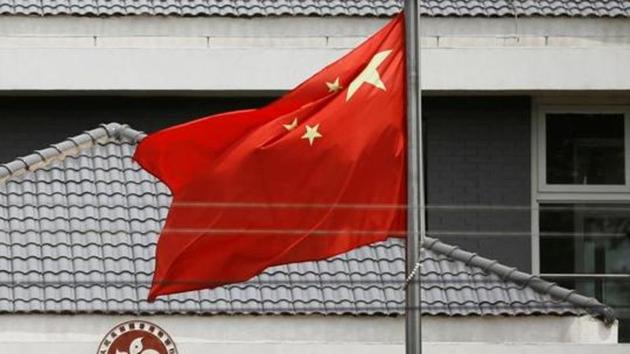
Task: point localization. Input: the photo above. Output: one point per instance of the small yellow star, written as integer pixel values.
(311, 134)
(291, 126)
(334, 86)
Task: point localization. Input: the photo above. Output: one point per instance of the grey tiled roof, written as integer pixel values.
(248, 8)
(78, 228)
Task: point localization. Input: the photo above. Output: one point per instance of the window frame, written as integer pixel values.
(556, 194)
(569, 190)
(551, 194)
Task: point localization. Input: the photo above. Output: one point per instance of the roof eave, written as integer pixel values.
(591, 305)
(71, 146)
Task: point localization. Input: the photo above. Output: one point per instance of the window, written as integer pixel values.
(583, 151)
(581, 215)
(591, 243)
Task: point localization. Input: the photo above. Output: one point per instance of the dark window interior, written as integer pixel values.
(579, 238)
(585, 149)
(31, 123)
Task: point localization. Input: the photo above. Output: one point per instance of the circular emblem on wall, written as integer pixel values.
(137, 337)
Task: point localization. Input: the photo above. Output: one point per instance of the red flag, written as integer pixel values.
(314, 174)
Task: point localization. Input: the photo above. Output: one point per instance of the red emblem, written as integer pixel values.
(137, 337)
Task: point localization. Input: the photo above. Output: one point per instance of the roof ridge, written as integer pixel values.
(590, 304)
(71, 146)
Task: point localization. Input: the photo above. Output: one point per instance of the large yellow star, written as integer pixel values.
(291, 125)
(311, 134)
(334, 86)
(369, 75)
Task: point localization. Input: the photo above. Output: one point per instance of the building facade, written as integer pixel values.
(525, 104)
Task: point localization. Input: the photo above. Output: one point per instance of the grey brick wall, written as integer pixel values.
(478, 153)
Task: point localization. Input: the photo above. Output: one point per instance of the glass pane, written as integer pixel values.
(585, 238)
(585, 149)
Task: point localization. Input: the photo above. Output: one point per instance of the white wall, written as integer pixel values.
(312, 334)
(270, 54)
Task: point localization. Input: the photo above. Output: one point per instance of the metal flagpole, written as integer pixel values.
(415, 179)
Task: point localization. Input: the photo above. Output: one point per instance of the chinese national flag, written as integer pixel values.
(314, 174)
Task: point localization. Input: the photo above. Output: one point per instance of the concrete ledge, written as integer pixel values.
(344, 42)
(159, 69)
(46, 42)
(315, 41)
(265, 69)
(588, 41)
(267, 42)
(526, 69)
(151, 42)
(490, 42)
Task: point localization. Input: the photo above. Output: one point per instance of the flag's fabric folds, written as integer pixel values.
(314, 174)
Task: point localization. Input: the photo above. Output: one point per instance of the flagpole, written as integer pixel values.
(415, 179)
